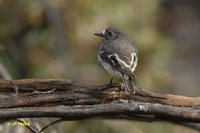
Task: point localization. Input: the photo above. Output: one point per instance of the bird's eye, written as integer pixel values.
(110, 34)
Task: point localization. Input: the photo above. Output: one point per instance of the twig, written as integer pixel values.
(52, 123)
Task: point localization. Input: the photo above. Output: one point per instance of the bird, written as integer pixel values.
(118, 56)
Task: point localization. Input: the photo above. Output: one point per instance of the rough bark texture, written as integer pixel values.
(132, 110)
(42, 97)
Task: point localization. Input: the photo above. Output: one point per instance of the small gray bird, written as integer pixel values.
(118, 56)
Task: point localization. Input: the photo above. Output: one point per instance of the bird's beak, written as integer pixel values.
(99, 34)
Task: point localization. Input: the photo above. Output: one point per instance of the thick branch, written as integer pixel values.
(40, 98)
(131, 110)
(69, 92)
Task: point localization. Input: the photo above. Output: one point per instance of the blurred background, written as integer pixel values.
(54, 39)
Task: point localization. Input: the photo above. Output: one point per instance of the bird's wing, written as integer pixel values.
(124, 63)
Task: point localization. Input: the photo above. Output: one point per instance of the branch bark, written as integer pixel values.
(41, 97)
(132, 110)
(60, 91)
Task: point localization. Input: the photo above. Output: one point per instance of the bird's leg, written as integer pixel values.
(110, 82)
(110, 85)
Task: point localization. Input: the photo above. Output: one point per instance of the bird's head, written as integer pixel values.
(110, 34)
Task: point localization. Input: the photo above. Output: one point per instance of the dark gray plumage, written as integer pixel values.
(118, 56)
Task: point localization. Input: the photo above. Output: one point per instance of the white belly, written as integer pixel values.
(109, 68)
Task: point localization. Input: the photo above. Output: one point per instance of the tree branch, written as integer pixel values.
(41, 97)
(130, 111)
(62, 91)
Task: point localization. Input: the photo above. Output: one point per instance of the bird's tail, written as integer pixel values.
(128, 82)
